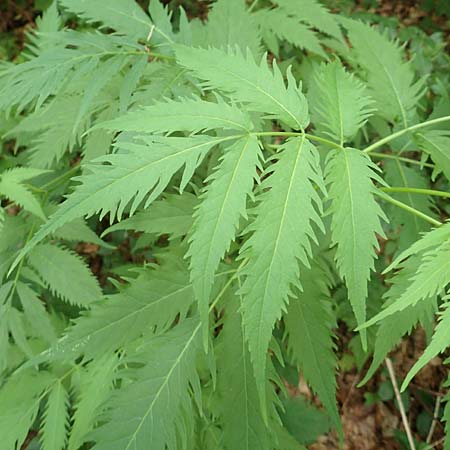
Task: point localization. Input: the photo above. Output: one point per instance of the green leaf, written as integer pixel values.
(285, 440)
(391, 80)
(261, 87)
(19, 404)
(131, 81)
(48, 22)
(281, 235)
(439, 342)
(153, 300)
(355, 222)
(99, 77)
(313, 13)
(161, 16)
(429, 241)
(339, 104)
(35, 313)
(428, 281)
(156, 403)
(437, 144)
(65, 274)
(124, 16)
(78, 231)
(162, 81)
(180, 126)
(216, 219)
(5, 290)
(276, 22)
(72, 60)
(190, 115)
(55, 419)
(394, 327)
(172, 215)
(304, 421)
(13, 234)
(408, 227)
(51, 128)
(238, 402)
(229, 25)
(16, 325)
(140, 171)
(309, 322)
(99, 142)
(12, 186)
(95, 384)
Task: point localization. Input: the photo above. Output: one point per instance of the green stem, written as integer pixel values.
(218, 297)
(252, 6)
(397, 134)
(161, 56)
(296, 133)
(32, 188)
(408, 208)
(227, 284)
(19, 267)
(277, 133)
(417, 191)
(400, 158)
(323, 141)
(56, 181)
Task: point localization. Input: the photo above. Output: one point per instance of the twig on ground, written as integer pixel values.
(409, 435)
(350, 391)
(435, 419)
(435, 444)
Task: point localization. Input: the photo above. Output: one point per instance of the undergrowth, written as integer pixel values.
(255, 168)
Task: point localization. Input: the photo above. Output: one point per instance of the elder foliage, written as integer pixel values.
(276, 182)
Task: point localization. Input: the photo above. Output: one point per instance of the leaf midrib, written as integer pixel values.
(140, 310)
(225, 199)
(277, 240)
(163, 385)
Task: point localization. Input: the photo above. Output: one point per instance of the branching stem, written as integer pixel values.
(297, 133)
(408, 208)
(227, 284)
(397, 134)
(417, 191)
(19, 267)
(400, 158)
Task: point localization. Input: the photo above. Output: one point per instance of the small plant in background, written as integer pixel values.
(235, 203)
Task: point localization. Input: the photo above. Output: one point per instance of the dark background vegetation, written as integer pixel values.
(429, 15)
(370, 415)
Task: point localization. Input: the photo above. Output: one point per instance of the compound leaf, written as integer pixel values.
(55, 418)
(281, 235)
(309, 322)
(217, 217)
(261, 87)
(339, 102)
(355, 222)
(156, 403)
(65, 274)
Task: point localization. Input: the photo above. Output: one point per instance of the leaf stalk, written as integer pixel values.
(408, 208)
(397, 134)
